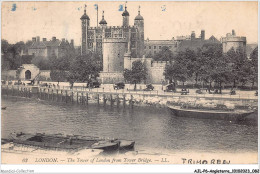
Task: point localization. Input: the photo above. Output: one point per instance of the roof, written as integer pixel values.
(139, 17)
(125, 13)
(196, 43)
(51, 43)
(45, 44)
(38, 45)
(103, 21)
(85, 16)
(154, 42)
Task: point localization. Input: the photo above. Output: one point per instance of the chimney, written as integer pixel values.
(202, 35)
(34, 39)
(38, 38)
(192, 35)
(63, 39)
(72, 43)
(53, 38)
(233, 33)
(44, 39)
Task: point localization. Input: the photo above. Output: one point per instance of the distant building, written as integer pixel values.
(47, 49)
(193, 43)
(152, 47)
(233, 41)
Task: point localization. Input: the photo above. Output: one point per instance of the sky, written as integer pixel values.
(163, 20)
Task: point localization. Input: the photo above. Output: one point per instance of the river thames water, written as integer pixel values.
(153, 129)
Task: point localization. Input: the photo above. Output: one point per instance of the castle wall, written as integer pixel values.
(155, 70)
(10, 74)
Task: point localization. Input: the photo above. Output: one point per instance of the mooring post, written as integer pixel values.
(61, 94)
(12, 90)
(48, 94)
(111, 99)
(117, 100)
(131, 101)
(77, 97)
(57, 95)
(7, 91)
(66, 96)
(82, 101)
(72, 95)
(52, 95)
(87, 98)
(124, 100)
(98, 98)
(40, 94)
(104, 99)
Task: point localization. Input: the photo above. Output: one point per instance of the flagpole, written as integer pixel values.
(97, 15)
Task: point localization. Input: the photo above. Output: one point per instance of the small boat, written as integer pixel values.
(125, 145)
(57, 141)
(210, 113)
(3, 107)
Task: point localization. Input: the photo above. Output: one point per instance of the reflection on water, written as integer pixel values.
(154, 130)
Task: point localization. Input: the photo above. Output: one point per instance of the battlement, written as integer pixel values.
(115, 40)
(114, 27)
(233, 39)
(158, 64)
(94, 28)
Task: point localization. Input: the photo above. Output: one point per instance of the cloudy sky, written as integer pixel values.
(163, 20)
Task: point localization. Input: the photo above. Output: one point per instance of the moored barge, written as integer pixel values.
(210, 113)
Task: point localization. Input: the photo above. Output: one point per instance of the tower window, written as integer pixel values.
(150, 47)
(160, 47)
(154, 47)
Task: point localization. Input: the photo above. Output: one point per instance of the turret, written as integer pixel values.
(84, 24)
(139, 22)
(202, 35)
(103, 22)
(125, 15)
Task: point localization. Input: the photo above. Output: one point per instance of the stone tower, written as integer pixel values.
(113, 54)
(125, 15)
(84, 25)
(233, 41)
(139, 22)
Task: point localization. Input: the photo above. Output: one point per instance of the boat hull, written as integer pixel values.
(210, 114)
(60, 142)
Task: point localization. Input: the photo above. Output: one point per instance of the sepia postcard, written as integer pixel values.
(150, 84)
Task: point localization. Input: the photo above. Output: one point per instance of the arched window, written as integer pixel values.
(27, 75)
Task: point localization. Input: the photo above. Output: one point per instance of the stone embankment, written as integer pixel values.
(125, 98)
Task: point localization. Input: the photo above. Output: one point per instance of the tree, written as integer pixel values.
(181, 67)
(41, 62)
(208, 57)
(253, 62)
(83, 69)
(137, 74)
(164, 55)
(220, 72)
(239, 65)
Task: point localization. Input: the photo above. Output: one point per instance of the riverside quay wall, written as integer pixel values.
(125, 98)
